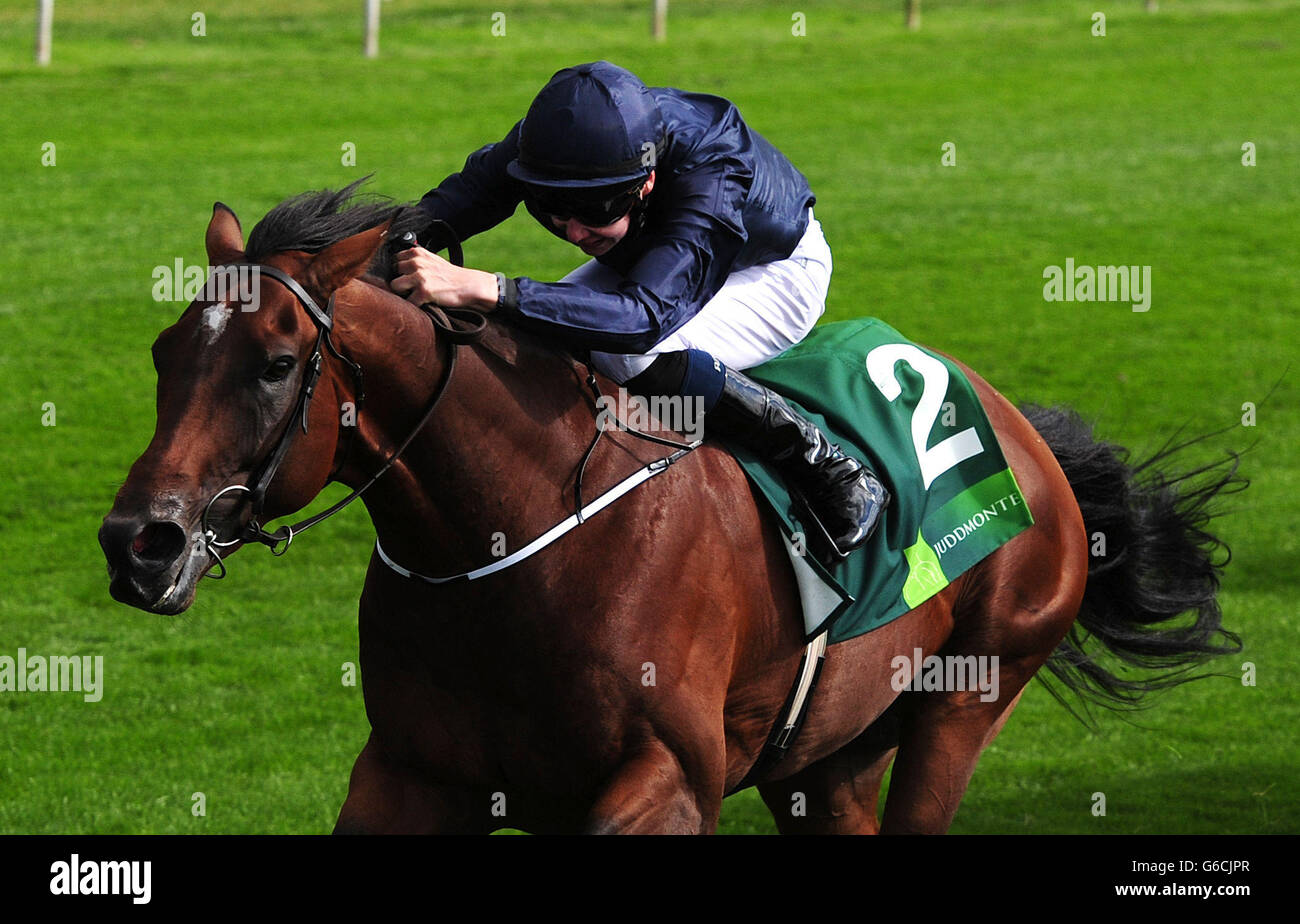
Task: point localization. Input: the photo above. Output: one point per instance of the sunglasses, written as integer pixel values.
(594, 208)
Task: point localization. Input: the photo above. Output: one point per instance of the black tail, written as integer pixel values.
(1160, 562)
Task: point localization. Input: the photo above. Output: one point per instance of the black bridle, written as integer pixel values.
(472, 325)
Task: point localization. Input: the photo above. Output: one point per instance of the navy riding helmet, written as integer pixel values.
(592, 126)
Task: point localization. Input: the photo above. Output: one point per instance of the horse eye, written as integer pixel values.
(279, 369)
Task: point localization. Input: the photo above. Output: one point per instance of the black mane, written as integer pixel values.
(314, 220)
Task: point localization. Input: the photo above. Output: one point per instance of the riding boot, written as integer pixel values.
(844, 496)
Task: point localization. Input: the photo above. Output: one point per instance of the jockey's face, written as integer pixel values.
(595, 240)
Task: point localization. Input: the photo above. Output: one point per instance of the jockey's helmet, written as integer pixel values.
(593, 125)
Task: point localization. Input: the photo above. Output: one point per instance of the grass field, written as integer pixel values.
(1122, 149)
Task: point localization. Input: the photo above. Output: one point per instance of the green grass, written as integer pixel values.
(1123, 149)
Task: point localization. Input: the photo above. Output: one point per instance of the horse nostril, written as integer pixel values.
(158, 543)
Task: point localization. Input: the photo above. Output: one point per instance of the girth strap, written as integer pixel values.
(791, 719)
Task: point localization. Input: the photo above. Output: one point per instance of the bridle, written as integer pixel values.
(457, 325)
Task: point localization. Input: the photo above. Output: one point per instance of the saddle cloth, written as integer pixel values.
(914, 417)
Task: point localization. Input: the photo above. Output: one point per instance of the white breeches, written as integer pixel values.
(759, 313)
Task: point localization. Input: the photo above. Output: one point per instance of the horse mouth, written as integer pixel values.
(175, 598)
(171, 601)
(166, 590)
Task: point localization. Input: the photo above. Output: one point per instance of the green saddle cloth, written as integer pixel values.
(914, 417)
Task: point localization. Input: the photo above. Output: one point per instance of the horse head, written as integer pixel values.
(231, 378)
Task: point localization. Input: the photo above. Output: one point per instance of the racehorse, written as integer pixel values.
(521, 699)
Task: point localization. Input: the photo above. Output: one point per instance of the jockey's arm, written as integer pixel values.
(683, 262)
(479, 197)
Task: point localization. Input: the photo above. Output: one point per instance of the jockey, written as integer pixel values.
(706, 260)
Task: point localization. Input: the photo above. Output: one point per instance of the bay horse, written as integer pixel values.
(521, 699)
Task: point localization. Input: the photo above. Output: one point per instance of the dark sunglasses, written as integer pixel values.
(594, 208)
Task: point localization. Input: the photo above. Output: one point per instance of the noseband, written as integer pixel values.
(457, 326)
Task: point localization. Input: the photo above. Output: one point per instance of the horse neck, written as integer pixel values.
(491, 461)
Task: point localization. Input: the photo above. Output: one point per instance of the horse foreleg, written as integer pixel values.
(651, 794)
(384, 799)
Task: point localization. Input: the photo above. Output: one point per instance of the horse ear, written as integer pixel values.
(225, 239)
(345, 260)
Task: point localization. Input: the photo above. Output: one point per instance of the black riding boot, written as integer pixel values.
(843, 494)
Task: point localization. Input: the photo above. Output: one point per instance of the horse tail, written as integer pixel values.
(1153, 559)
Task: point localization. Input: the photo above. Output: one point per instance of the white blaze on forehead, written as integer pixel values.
(214, 321)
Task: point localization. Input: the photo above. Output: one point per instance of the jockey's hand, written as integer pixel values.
(427, 277)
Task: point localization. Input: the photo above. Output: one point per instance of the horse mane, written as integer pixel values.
(313, 220)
